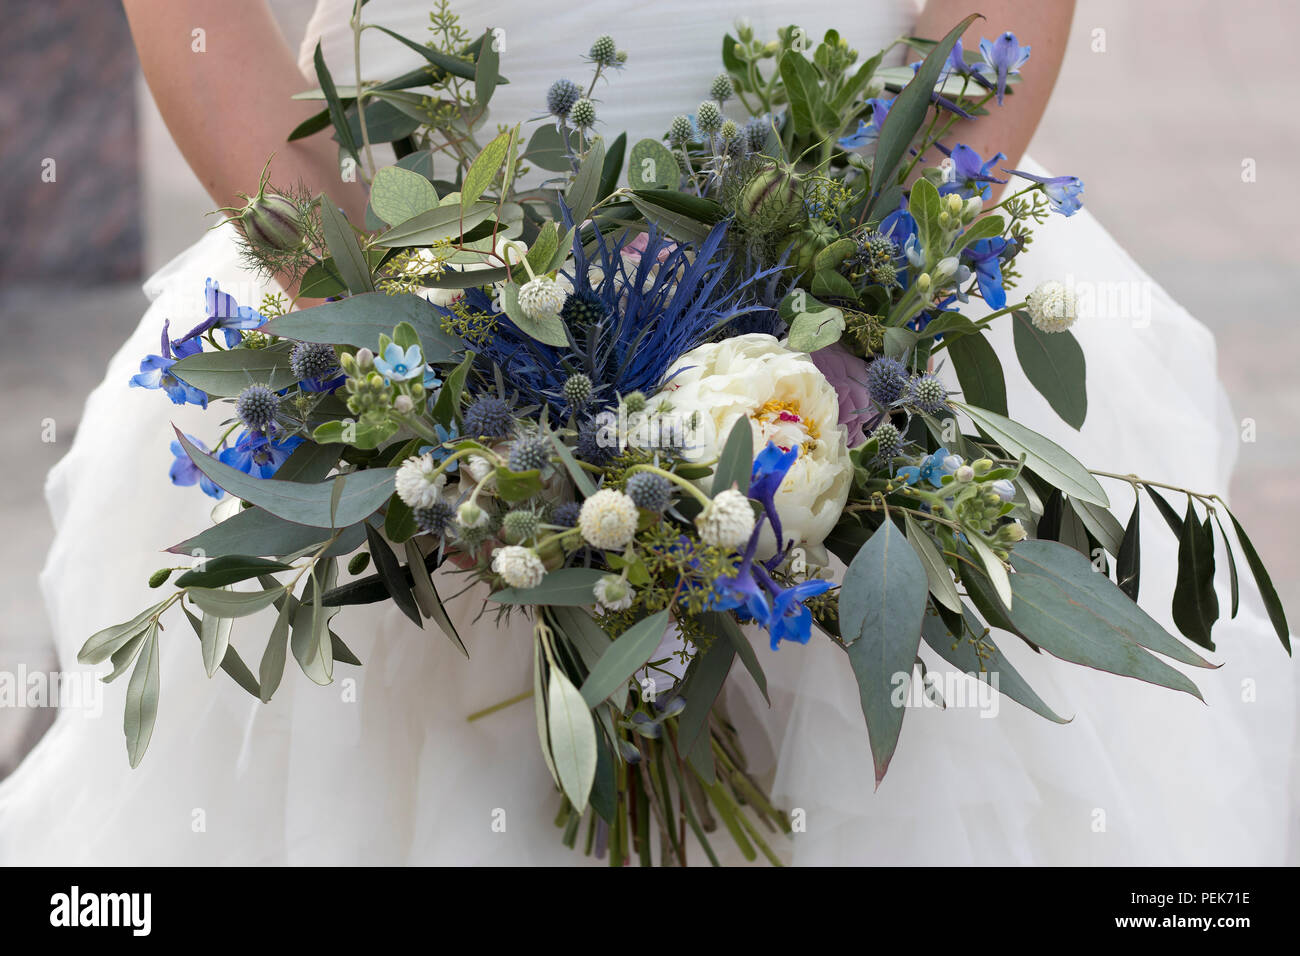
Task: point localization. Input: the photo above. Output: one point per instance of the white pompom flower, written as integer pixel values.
(418, 482)
(613, 593)
(518, 566)
(608, 519)
(1051, 306)
(541, 298)
(727, 521)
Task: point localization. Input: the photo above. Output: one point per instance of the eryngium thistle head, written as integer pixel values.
(755, 134)
(530, 453)
(593, 446)
(577, 390)
(519, 526)
(582, 309)
(928, 395)
(730, 132)
(583, 114)
(877, 248)
(604, 51)
(566, 515)
(886, 380)
(649, 491)
(722, 88)
(561, 97)
(889, 440)
(708, 116)
(256, 407)
(435, 519)
(680, 132)
(488, 418)
(313, 360)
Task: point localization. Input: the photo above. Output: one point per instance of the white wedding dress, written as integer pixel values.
(382, 767)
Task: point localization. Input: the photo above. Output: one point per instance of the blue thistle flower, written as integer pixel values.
(566, 515)
(887, 380)
(488, 418)
(561, 97)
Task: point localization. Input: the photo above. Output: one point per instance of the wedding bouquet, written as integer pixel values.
(647, 396)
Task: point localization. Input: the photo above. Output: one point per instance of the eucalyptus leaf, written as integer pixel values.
(398, 194)
(623, 658)
(226, 373)
(572, 737)
(142, 699)
(1054, 364)
(651, 165)
(570, 587)
(937, 573)
(359, 320)
(220, 602)
(979, 372)
(736, 463)
(343, 247)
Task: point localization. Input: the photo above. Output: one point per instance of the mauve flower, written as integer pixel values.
(848, 376)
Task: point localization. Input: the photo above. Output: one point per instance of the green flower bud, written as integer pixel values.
(359, 562)
(272, 222)
(159, 577)
(771, 200)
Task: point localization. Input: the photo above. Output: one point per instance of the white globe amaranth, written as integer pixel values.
(727, 521)
(1051, 306)
(518, 566)
(608, 519)
(541, 298)
(787, 400)
(613, 593)
(417, 483)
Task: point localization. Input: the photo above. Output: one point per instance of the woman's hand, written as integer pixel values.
(228, 103)
(1045, 26)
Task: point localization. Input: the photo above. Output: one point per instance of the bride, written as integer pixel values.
(383, 767)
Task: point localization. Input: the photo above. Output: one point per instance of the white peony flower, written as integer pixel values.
(608, 519)
(727, 521)
(519, 567)
(417, 485)
(1051, 306)
(613, 593)
(787, 400)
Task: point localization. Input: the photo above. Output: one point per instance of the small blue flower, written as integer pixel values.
(933, 468)
(790, 620)
(1003, 57)
(155, 372)
(224, 313)
(257, 455)
(868, 133)
(185, 473)
(985, 256)
(971, 175)
(1063, 192)
(398, 365)
(431, 379)
(440, 451)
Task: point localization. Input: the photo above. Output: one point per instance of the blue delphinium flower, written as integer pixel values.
(224, 313)
(400, 365)
(933, 468)
(184, 472)
(1063, 192)
(1003, 57)
(868, 133)
(790, 620)
(971, 174)
(985, 257)
(155, 372)
(257, 455)
(626, 330)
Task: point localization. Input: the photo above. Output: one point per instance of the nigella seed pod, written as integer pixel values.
(770, 200)
(273, 222)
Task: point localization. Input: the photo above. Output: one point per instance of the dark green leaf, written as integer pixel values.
(724, 625)
(390, 572)
(1272, 603)
(1196, 605)
(485, 71)
(227, 569)
(979, 372)
(736, 463)
(704, 680)
(343, 247)
(581, 195)
(571, 587)
(1128, 563)
(227, 373)
(1167, 512)
(1054, 364)
(257, 531)
(359, 320)
(335, 106)
(623, 658)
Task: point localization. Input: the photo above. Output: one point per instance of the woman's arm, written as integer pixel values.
(229, 108)
(1045, 26)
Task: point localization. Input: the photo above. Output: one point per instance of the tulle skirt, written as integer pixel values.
(382, 766)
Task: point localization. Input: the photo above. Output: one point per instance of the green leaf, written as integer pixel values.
(623, 658)
(1196, 605)
(364, 492)
(222, 603)
(937, 573)
(830, 284)
(1101, 524)
(309, 462)
(1265, 584)
(725, 625)
(334, 107)
(704, 680)
(445, 408)
(103, 644)
(257, 531)
(573, 739)
(227, 373)
(736, 463)
(923, 205)
(228, 569)
(546, 149)
(811, 331)
(1167, 512)
(310, 637)
(1043, 456)
(214, 636)
(908, 113)
(544, 247)
(581, 195)
(613, 167)
(271, 669)
(444, 62)
(1054, 364)
(808, 106)
(485, 70)
(483, 171)
(142, 700)
(398, 195)
(399, 521)
(882, 605)
(1128, 562)
(1234, 583)
(450, 220)
(681, 227)
(427, 595)
(513, 486)
(979, 372)
(651, 165)
(985, 662)
(1068, 609)
(693, 207)
(390, 573)
(986, 227)
(548, 330)
(342, 242)
(570, 587)
(580, 478)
